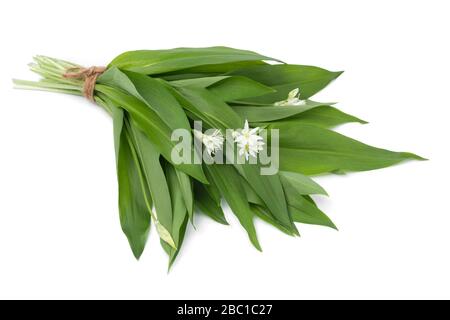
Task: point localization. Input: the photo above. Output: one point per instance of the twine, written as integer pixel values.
(88, 75)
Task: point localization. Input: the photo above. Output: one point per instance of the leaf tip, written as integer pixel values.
(137, 253)
(169, 266)
(413, 156)
(333, 226)
(338, 73)
(256, 244)
(324, 193)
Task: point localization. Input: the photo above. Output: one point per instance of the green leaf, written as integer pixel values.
(252, 196)
(270, 190)
(209, 70)
(312, 150)
(212, 189)
(323, 116)
(149, 122)
(152, 93)
(186, 191)
(228, 181)
(210, 108)
(303, 185)
(285, 77)
(203, 82)
(272, 113)
(228, 88)
(156, 181)
(134, 203)
(310, 199)
(165, 235)
(236, 88)
(310, 214)
(207, 205)
(180, 215)
(264, 215)
(303, 209)
(163, 61)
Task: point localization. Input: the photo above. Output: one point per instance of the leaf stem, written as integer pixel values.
(42, 86)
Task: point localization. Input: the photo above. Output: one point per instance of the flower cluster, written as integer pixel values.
(293, 99)
(247, 140)
(213, 142)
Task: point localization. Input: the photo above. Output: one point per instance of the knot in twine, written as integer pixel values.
(88, 75)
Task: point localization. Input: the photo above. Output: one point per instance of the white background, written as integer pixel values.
(59, 228)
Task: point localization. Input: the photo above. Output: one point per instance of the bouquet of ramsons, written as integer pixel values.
(195, 128)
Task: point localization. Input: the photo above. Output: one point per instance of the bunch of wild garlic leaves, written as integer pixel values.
(152, 93)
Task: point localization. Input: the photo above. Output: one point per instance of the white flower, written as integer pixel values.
(248, 141)
(293, 99)
(213, 142)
